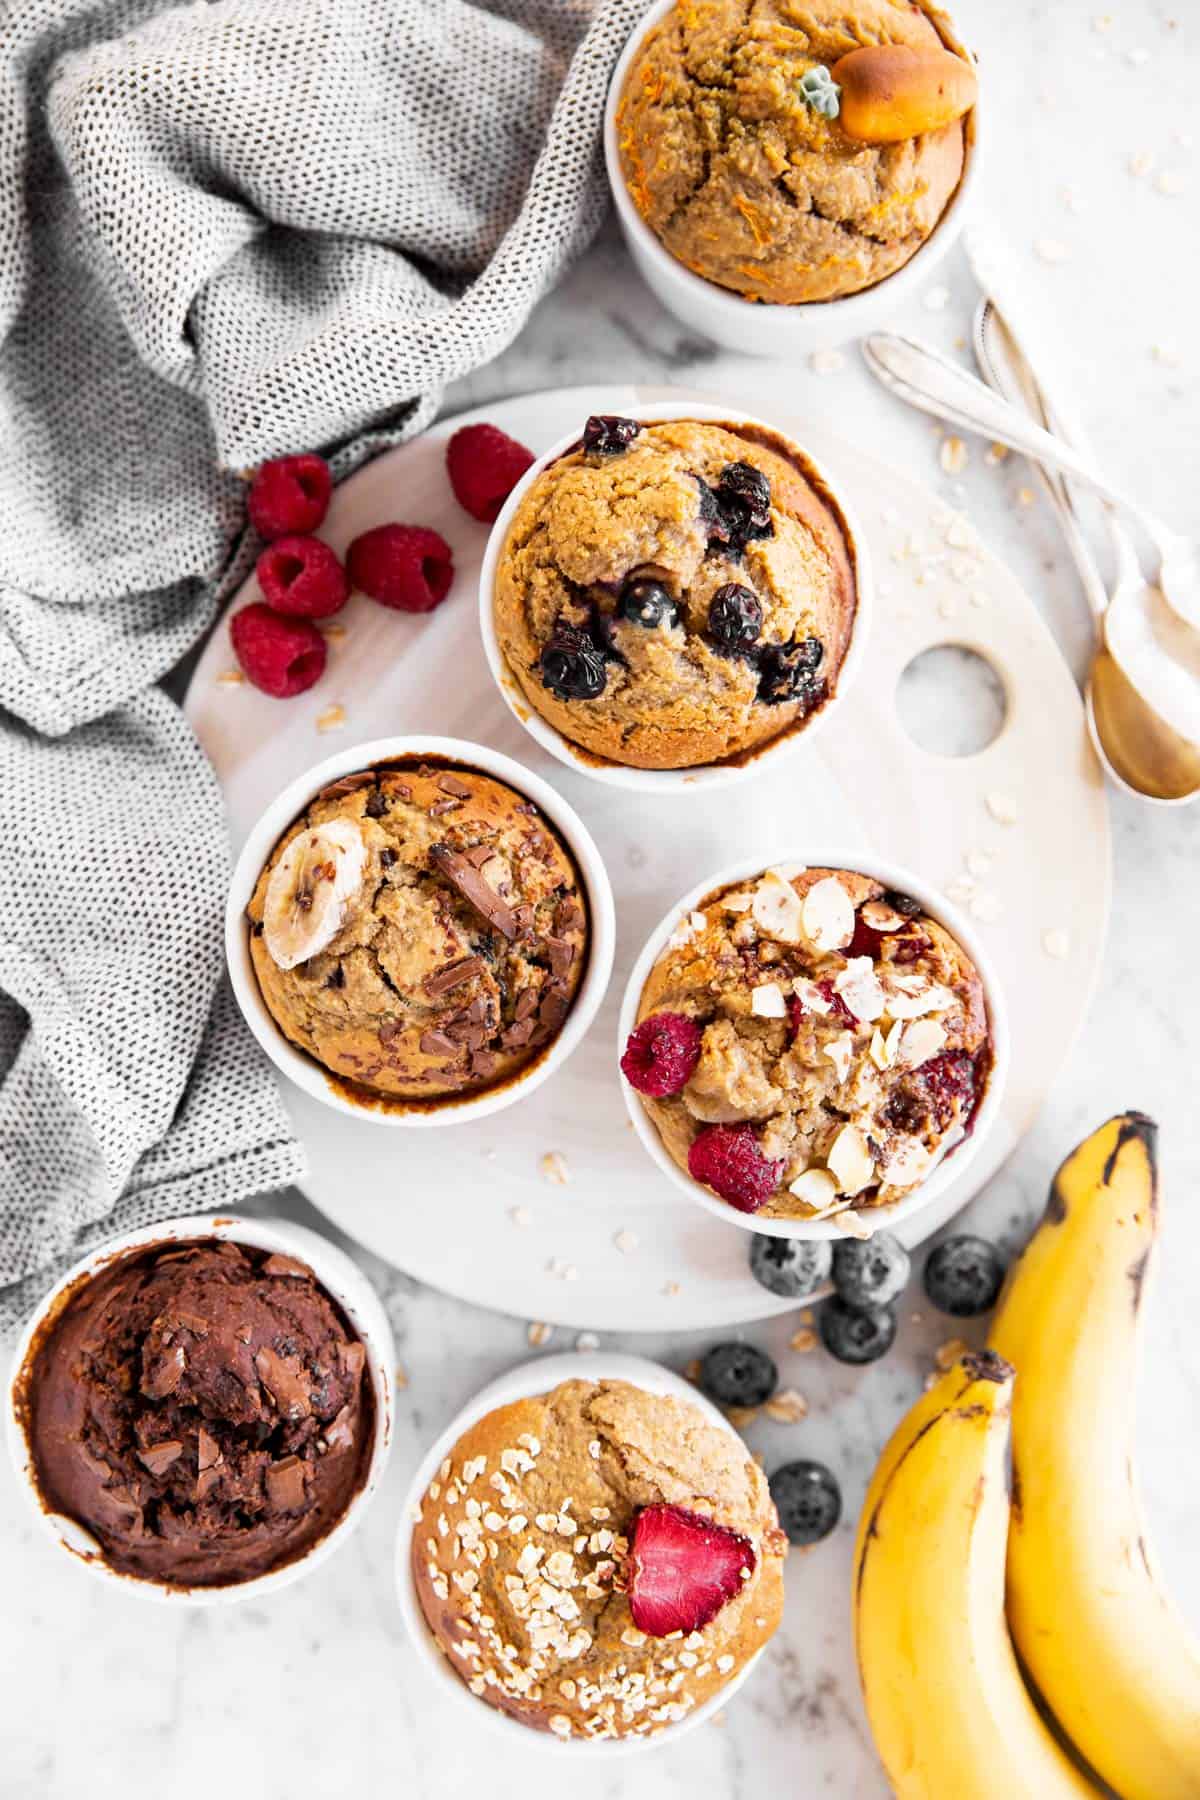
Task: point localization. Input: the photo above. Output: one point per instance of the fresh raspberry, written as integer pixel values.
(866, 940)
(661, 1053)
(485, 465)
(403, 566)
(727, 1159)
(281, 656)
(290, 494)
(302, 577)
(683, 1569)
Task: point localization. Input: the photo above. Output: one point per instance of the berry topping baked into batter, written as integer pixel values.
(421, 931)
(810, 1043)
(676, 594)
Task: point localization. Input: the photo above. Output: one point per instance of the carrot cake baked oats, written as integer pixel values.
(794, 152)
(598, 1561)
(809, 1042)
(420, 931)
(677, 593)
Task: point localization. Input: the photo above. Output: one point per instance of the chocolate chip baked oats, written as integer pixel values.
(795, 152)
(598, 1561)
(677, 593)
(421, 931)
(809, 1042)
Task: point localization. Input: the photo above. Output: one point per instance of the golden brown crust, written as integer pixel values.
(373, 1006)
(672, 699)
(801, 1075)
(519, 1548)
(746, 184)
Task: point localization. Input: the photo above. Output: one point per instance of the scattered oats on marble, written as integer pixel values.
(625, 1241)
(332, 719)
(333, 633)
(1056, 943)
(803, 1340)
(994, 454)
(1002, 807)
(976, 598)
(671, 1288)
(539, 1334)
(947, 606)
(960, 889)
(692, 1370)
(1170, 182)
(826, 362)
(1141, 163)
(718, 1718)
(947, 1354)
(787, 1407)
(741, 1416)
(987, 908)
(978, 862)
(230, 678)
(959, 535)
(587, 1341)
(520, 1216)
(953, 455)
(400, 1378)
(937, 299)
(1025, 496)
(553, 1168)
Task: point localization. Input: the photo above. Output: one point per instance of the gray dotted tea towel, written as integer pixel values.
(227, 231)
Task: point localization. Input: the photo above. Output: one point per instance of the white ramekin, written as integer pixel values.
(707, 776)
(287, 806)
(340, 1277)
(892, 875)
(756, 327)
(528, 1379)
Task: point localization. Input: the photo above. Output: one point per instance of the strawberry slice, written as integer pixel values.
(683, 1569)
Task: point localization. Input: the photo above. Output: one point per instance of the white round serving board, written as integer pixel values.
(616, 1246)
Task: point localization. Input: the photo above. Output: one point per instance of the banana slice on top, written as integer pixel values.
(311, 890)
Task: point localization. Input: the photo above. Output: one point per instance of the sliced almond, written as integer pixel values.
(907, 1162)
(880, 917)
(850, 1161)
(777, 910)
(767, 1001)
(840, 1051)
(921, 1040)
(811, 998)
(828, 915)
(816, 1188)
(740, 902)
(859, 987)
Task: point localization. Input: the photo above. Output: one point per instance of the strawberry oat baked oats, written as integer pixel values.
(809, 1042)
(678, 593)
(421, 931)
(598, 1561)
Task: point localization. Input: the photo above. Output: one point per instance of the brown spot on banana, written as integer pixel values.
(1137, 1277)
(1139, 1126)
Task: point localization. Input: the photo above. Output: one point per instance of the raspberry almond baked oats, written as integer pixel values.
(598, 1561)
(794, 152)
(421, 931)
(810, 1043)
(677, 593)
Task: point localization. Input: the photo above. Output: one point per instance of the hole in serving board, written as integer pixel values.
(951, 701)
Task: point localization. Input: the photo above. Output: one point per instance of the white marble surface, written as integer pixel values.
(314, 1693)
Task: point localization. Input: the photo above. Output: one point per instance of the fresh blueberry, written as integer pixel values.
(788, 672)
(738, 1375)
(856, 1334)
(871, 1272)
(745, 495)
(734, 617)
(605, 434)
(647, 603)
(807, 1499)
(903, 903)
(963, 1276)
(789, 1267)
(572, 665)
(712, 514)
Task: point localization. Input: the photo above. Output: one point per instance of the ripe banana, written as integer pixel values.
(310, 890)
(1112, 1659)
(951, 1715)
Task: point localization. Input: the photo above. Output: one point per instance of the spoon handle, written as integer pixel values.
(936, 385)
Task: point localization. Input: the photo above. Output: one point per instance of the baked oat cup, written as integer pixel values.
(755, 182)
(307, 1501)
(606, 1439)
(831, 1047)
(419, 931)
(671, 601)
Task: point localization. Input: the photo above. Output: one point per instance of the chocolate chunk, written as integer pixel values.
(206, 1480)
(483, 1063)
(162, 1374)
(444, 806)
(353, 1357)
(567, 913)
(389, 1031)
(478, 1009)
(208, 1451)
(562, 954)
(285, 1382)
(518, 1034)
(278, 1264)
(349, 784)
(285, 1485)
(527, 1001)
(159, 1457)
(472, 1036)
(339, 1435)
(376, 805)
(387, 856)
(478, 854)
(437, 1043)
(552, 1011)
(337, 977)
(453, 975)
(450, 784)
(474, 889)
